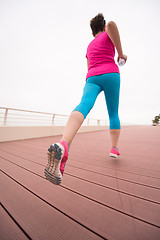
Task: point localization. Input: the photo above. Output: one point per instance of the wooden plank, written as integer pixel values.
(98, 178)
(95, 216)
(39, 219)
(110, 165)
(114, 199)
(128, 140)
(114, 183)
(100, 175)
(144, 151)
(9, 229)
(138, 165)
(108, 168)
(133, 178)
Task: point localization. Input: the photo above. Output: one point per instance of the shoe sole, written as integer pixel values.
(56, 158)
(52, 178)
(114, 155)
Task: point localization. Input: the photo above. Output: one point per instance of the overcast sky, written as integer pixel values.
(42, 55)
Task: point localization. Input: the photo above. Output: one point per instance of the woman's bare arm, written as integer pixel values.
(87, 64)
(113, 33)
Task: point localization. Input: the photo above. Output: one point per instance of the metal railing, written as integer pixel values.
(19, 117)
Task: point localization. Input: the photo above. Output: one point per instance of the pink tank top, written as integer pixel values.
(100, 55)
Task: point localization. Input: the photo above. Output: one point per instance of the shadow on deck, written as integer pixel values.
(99, 198)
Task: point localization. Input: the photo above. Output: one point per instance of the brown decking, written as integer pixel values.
(99, 198)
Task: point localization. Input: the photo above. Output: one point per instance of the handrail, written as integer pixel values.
(22, 110)
(51, 116)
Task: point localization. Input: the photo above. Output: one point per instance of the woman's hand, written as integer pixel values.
(123, 56)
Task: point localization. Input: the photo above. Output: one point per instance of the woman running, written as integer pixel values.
(103, 75)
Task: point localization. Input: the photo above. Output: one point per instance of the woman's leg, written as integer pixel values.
(111, 90)
(114, 137)
(74, 122)
(90, 93)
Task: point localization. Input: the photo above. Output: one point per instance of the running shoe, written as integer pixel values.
(57, 157)
(114, 153)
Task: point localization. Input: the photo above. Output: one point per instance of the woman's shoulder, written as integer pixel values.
(110, 26)
(111, 23)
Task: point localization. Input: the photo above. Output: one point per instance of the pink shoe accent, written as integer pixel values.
(65, 156)
(114, 153)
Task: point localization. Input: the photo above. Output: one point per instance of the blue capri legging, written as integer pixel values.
(110, 84)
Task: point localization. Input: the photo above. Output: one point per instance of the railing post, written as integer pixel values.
(5, 116)
(53, 119)
(98, 122)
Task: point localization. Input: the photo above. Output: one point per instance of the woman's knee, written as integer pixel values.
(114, 122)
(84, 107)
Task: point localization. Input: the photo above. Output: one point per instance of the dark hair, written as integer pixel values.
(97, 24)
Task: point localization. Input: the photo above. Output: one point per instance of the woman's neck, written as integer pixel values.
(98, 33)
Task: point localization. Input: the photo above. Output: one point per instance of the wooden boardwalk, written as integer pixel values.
(99, 198)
